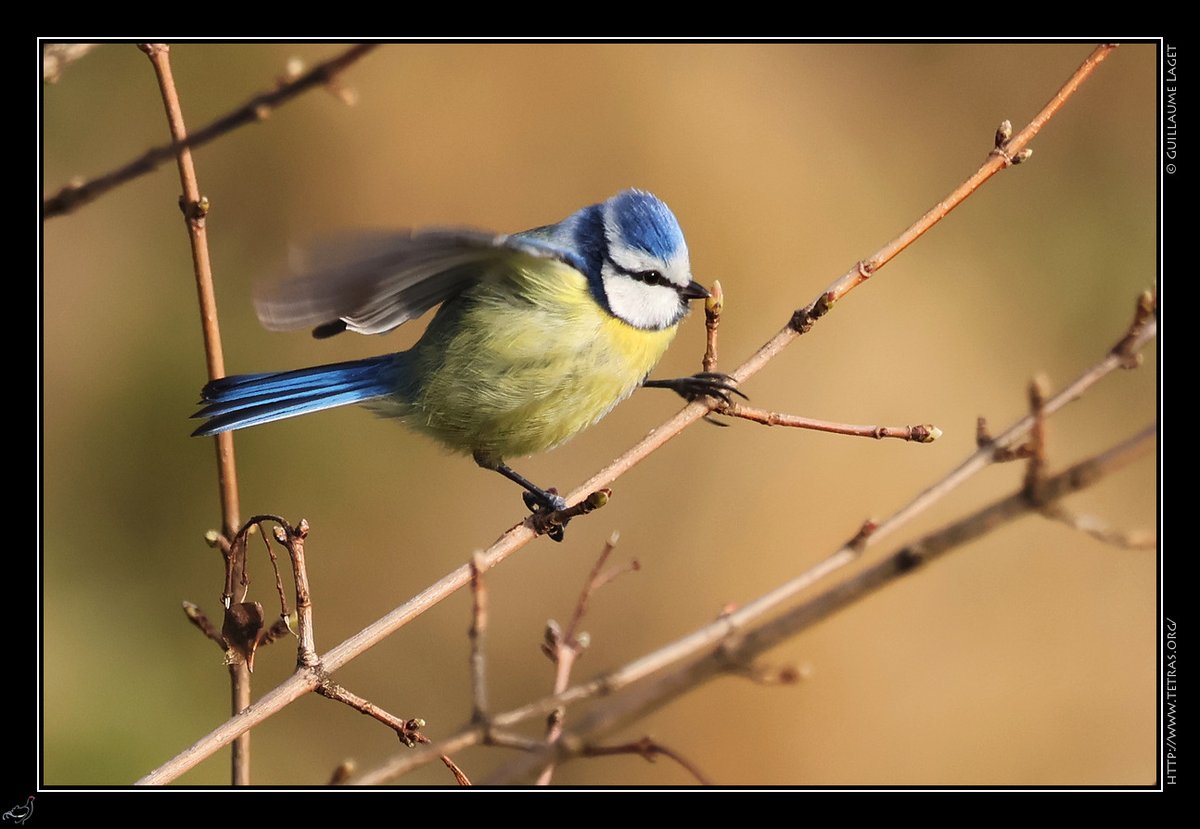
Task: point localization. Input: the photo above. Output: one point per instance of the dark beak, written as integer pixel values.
(695, 290)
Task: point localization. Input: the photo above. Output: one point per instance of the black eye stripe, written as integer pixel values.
(650, 277)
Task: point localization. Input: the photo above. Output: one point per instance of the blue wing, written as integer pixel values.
(372, 282)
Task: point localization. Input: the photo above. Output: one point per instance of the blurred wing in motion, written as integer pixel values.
(371, 282)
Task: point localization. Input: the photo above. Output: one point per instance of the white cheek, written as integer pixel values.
(643, 306)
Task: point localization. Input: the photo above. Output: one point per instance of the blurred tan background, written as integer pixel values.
(1026, 659)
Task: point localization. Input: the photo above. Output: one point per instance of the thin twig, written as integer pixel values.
(700, 641)
(477, 636)
(1097, 529)
(200, 619)
(299, 684)
(408, 730)
(1035, 470)
(925, 433)
(740, 649)
(257, 108)
(292, 538)
(194, 208)
(648, 750)
(458, 773)
(564, 647)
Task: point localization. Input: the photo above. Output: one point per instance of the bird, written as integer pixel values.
(539, 334)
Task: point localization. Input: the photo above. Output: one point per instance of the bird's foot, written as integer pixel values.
(705, 384)
(547, 507)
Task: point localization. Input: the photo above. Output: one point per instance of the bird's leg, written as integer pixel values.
(705, 384)
(538, 500)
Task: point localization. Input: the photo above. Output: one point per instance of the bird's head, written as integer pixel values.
(637, 259)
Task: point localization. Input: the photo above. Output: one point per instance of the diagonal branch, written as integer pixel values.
(701, 641)
(739, 648)
(802, 320)
(257, 108)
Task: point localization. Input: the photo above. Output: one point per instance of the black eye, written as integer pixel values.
(651, 278)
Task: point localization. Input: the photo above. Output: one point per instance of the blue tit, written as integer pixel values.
(539, 334)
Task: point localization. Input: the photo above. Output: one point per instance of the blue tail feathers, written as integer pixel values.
(250, 399)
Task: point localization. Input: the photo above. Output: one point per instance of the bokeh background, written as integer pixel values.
(1027, 658)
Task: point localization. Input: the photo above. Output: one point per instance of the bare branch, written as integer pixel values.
(257, 108)
(300, 684)
(1099, 530)
(194, 208)
(564, 647)
(740, 648)
(648, 750)
(925, 433)
(478, 636)
(729, 624)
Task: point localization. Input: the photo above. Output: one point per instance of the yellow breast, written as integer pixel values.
(521, 362)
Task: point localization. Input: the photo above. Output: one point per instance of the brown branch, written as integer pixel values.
(1097, 529)
(740, 648)
(257, 108)
(194, 208)
(299, 684)
(564, 647)
(198, 618)
(700, 641)
(292, 538)
(1035, 470)
(648, 750)
(925, 433)
(478, 636)
(407, 730)
(804, 318)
